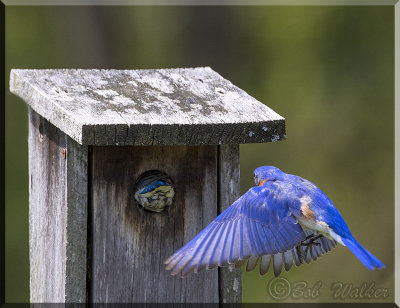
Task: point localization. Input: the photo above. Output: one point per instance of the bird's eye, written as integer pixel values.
(254, 174)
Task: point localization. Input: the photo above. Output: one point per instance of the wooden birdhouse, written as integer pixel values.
(92, 135)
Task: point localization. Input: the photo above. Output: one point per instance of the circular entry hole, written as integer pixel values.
(154, 191)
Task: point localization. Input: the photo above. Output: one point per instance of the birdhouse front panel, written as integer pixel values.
(130, 244)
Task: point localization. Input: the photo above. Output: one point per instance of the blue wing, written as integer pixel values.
(256, 224)
(297, 255)
(153, 186)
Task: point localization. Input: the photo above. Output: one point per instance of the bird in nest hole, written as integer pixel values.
(154, 191)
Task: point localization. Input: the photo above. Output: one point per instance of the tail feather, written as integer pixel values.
(369, 260)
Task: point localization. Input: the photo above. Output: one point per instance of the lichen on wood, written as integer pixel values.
(147, 107)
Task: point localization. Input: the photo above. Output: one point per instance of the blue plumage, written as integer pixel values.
(284, 220)
(154, 191)
(153, 186)
(370, 261)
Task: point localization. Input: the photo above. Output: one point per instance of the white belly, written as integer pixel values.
(320, 227)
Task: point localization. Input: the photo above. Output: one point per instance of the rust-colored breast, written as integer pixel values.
(307, 212)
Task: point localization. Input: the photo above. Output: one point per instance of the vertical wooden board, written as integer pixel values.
(129, 245)
(57, 214)
(76, 228)
(47, 211)
(230, 279)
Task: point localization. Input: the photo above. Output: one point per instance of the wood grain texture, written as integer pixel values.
(230, 279)
(129, 245)
(57, 219)
(77, 217)
(47, 211)
(147, 107)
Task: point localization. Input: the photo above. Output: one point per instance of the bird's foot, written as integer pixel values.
(308, 242)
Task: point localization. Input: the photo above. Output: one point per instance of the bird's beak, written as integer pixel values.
(262, 182)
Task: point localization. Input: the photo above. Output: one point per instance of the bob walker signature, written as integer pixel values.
(367, 290)
(281, 289)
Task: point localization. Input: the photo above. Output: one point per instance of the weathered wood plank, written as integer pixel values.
(129, 246)
(77, 217)
(147, 107)
(230, 281)
(47, 213)
(57, 214)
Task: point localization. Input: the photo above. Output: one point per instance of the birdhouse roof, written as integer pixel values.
(147, 107)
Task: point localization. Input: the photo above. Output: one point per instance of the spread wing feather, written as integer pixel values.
(259, 225)
(256, 224)
(288, 258)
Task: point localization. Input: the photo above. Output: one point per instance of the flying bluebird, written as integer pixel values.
(285, 219)
(154, 191)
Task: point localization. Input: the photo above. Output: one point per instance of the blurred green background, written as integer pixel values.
(327, 70)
